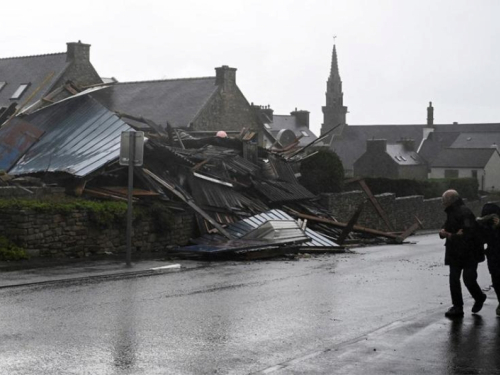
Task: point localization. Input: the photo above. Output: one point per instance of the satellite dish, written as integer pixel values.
(286, 137)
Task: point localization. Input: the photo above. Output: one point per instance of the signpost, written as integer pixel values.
(131, 154)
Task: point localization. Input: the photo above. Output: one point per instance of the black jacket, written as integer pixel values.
(466, 249)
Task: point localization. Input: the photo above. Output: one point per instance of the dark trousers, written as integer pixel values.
(494, 268)
(470, 281)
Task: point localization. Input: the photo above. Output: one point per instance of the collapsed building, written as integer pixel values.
(245, 198)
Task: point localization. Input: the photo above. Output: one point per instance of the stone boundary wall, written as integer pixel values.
(75, 235)
(400, 211)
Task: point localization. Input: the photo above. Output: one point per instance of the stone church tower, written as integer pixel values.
(334, 112)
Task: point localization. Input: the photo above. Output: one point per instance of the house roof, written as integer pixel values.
(435, 143)
(477, 140)
(352, 144)
(177, 101)
(463, 158)
(290, 122)
(79, 137)
(41, 72)
(402, 156)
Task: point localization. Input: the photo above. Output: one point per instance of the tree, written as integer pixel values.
(322, 172)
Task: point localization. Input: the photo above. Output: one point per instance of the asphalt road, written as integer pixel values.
(376, 311)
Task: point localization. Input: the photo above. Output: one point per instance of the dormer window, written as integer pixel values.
(2, 85)
(20, 91)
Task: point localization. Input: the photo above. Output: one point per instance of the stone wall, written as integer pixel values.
(401, 212)
(75, 234)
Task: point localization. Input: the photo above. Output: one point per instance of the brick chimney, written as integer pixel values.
(225, 77)
(264, 112)
(302, 117)
(376, 145)
(78, 51)
(430, 115)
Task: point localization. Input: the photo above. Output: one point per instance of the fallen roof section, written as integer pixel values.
(80, 136)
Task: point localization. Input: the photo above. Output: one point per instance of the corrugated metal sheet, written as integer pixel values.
(281, 191)
(206, 193)
(80, 137)
(15, 138)
(278, 231)
(244, 226)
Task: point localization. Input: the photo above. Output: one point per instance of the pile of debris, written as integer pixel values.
(247, 199)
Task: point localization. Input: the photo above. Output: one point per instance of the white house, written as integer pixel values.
(480, 163)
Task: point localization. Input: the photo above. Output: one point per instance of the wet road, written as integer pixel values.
(378, 311)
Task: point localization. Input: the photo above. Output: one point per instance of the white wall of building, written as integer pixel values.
(488, 178)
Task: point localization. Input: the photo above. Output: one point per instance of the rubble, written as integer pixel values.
(247, 200)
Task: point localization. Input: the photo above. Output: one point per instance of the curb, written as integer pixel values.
(155, 271)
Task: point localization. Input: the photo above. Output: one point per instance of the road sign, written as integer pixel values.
(136, 139)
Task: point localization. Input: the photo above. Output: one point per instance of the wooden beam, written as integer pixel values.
(409, 231)
(350, 224)
(189, 201)
(375, 203)
(355, 228)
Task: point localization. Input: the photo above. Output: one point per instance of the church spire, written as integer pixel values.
(334, 69)
(334, 112)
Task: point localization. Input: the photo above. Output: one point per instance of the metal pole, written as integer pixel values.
(131, 157)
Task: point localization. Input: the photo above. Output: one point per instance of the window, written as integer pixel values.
(474, 173)
(20, 91)
(304, 133)
(2, 85)
(451, 173)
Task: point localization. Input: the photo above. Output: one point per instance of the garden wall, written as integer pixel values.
(75, 234)
(400, 211)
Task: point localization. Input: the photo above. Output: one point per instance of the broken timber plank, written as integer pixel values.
(189, 202)
(409, 231)
(350, 224)
(355, 228)
(375, 203)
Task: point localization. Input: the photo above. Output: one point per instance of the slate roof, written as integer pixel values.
(402, 156)
(79, 137)
(463, 158)
(435, 143)
(40, 71)
(352, 144)
(476, 140)
(177, 101)
(290, 122)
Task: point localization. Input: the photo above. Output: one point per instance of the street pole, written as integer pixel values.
(131, 157)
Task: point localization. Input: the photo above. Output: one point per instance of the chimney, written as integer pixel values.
(430, 115)
(225, 77)
(376, 145)
(265, 113)
(302, 117)
(77, 51)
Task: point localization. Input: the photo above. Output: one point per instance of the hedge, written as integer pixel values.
(468, 188)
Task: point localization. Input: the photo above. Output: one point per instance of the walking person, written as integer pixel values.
(464, 250)
(490, 225)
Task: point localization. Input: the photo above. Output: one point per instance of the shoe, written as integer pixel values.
(478, 305)
(498, 310)
(454, 312)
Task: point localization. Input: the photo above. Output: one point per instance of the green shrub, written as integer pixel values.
(322, 172)
(10, 251)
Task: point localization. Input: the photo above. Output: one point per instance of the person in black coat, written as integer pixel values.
(490, 225)
(464, 250)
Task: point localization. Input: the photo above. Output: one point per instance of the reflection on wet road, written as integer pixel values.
(320, 315)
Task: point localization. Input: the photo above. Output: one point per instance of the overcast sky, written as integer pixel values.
(394, 55)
